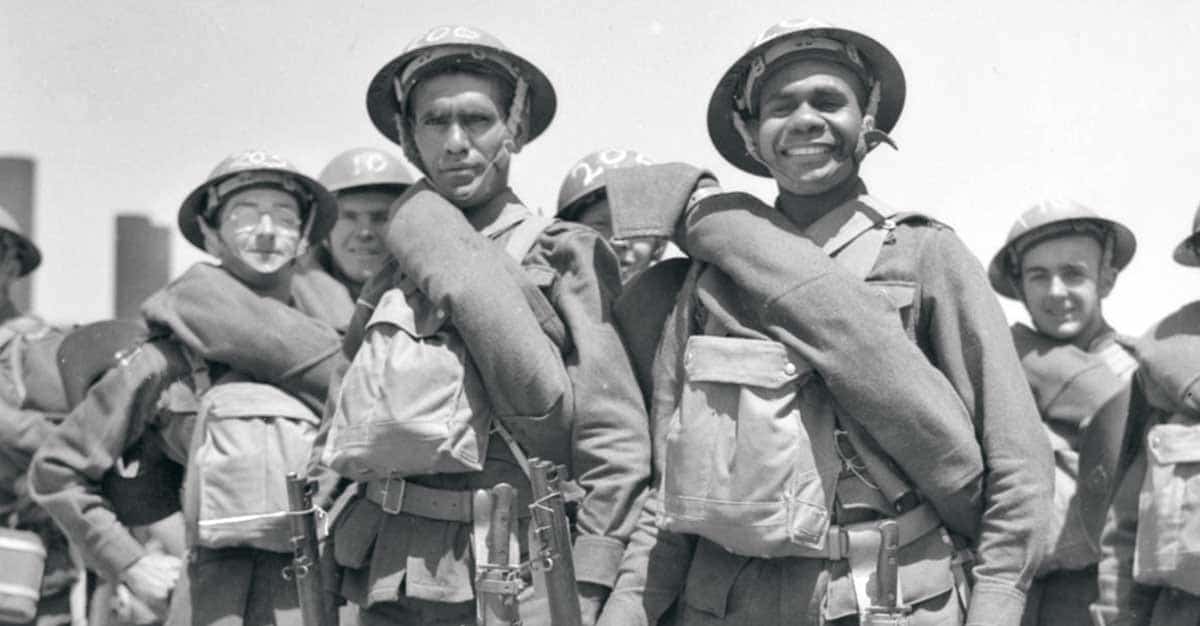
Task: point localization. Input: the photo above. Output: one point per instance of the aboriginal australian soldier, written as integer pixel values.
(1061, 260)
(31, 405)
(366, 181)
(232, 398)
(854, 401)
(1150, 547)
(583, 198)
(537, 331)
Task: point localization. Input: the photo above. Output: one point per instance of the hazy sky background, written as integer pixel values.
(127, 106)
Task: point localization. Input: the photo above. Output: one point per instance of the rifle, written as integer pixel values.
(499, 582)
(554, 560)
(887, 578)
(305, 568)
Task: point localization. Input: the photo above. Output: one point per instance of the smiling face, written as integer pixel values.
(458, 127)
(356, 241)
(259, 231)
(809, 123)
(1062, 283)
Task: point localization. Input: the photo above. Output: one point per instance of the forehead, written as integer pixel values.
(459, 87)
(811, 72)
(366, 199)
(1065, 250)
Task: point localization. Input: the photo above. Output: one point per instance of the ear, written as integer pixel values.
(514, 144)
(302, 247)
(1107, 280)
(212, 239)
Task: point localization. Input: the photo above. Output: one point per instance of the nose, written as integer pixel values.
(264, 233)
(1057, 286)
(457, 141)
(365, 229)
(805, 121)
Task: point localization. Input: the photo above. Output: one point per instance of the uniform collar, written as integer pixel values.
(840, 226)
(499, 214)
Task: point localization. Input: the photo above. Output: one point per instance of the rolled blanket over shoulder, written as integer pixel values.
(1169, 359)
(649, 201)
(223, 321)
(476, 284)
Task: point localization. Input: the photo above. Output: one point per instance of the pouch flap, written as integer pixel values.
(899, 293)
(247, 399)
(1174, 443)
(411, 311)
(753, 362)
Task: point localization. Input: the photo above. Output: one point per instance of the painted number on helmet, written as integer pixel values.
(258, 159)
(612, 158)
(369, 163)
(458, 32)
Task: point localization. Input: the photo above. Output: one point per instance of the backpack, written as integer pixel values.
(248, 436)
(412, 401)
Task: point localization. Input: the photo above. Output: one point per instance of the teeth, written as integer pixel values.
(806, 150)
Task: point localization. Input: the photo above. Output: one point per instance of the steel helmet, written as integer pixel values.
(27, 253)
(733, 99)
(1055, 218)
(588, 176)
(533, 103)
(364, 167)
(254, 167)
(1188, 251)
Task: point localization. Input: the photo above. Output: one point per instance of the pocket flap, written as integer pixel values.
(410, 311)
(246, 399)
(1174, 443)
(899, 293)
(753, 362)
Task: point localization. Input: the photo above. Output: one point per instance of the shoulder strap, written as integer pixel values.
(525, 234)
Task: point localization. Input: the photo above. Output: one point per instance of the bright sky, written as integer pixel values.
(127, 106)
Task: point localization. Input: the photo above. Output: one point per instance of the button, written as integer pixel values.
(789, 368)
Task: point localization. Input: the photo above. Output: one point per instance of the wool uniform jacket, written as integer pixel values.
(959, 366)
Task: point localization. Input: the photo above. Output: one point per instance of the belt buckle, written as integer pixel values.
(385, 500)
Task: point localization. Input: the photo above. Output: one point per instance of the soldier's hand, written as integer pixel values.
(591, 600)
(151, 579)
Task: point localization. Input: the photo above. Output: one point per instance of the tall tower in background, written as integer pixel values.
(16, 195)
(143, 259)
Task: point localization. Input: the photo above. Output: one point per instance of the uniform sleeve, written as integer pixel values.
(67, 469)
(610, 433)
(21, 432)
(973, 347)
(1122, 601)
(468, 276)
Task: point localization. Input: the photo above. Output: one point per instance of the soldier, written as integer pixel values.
(232, 398)
(31, 405)
(1061, 260)
(366, 181)
(1150, 547)
(831, 380)
(462, 105)
(583, 198)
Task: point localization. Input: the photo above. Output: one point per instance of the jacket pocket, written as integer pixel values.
(710, 578)
(354, 533)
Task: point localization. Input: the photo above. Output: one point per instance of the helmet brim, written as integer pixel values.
(724, 134)
(324, 209)
(1185, 252)
(383, 108)
(1124, 247)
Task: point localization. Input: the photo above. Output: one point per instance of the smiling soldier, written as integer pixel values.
(1061, 260)
(804, 398)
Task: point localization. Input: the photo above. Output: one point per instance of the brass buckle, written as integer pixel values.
(385, 501)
